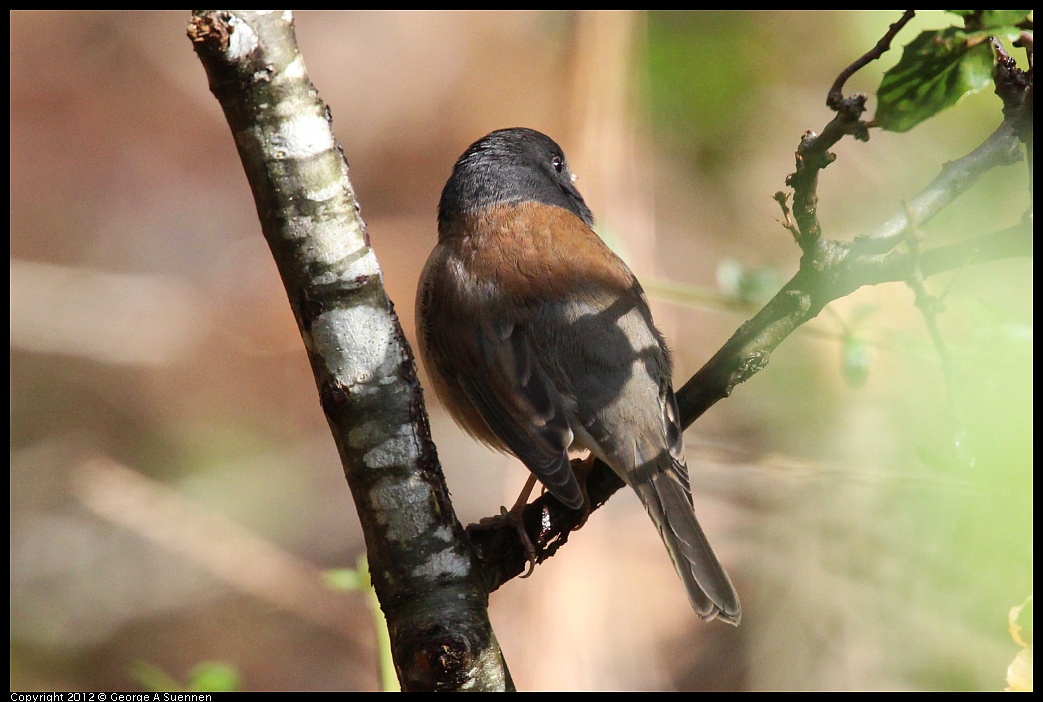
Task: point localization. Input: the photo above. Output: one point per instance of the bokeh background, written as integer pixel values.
(176, 495)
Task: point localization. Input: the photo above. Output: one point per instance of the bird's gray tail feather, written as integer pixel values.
(667, 498)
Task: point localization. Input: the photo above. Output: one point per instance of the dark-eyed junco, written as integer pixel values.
(538, 339)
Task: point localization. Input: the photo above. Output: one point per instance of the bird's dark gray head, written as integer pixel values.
(511, 166)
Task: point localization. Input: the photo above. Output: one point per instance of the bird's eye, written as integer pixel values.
(558, 163)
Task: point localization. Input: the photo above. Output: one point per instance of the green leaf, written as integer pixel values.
(993, 18)
(345, 579)
(936, 69)
(213, 676)
(153, 678)
(998, 18)
(210, 676)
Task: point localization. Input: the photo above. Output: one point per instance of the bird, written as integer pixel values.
(539, 340)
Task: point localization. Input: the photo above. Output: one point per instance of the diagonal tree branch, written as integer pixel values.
(422, 567)
(839, 268)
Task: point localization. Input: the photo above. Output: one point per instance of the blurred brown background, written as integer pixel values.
(175, 492)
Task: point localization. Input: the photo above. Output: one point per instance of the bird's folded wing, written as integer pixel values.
(503, 378)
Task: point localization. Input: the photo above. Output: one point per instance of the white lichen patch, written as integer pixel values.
(396, 451)
(448, 562)
(241, 39)
(364, 264)
(295, 68)
(302, 136)
(329, 191)
(364, 434)
(356, 343)
(330, 242)
(403, 506)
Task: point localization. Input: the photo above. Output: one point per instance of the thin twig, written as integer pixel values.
(836, 93)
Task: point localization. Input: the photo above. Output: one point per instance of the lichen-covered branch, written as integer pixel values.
(421, 564)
